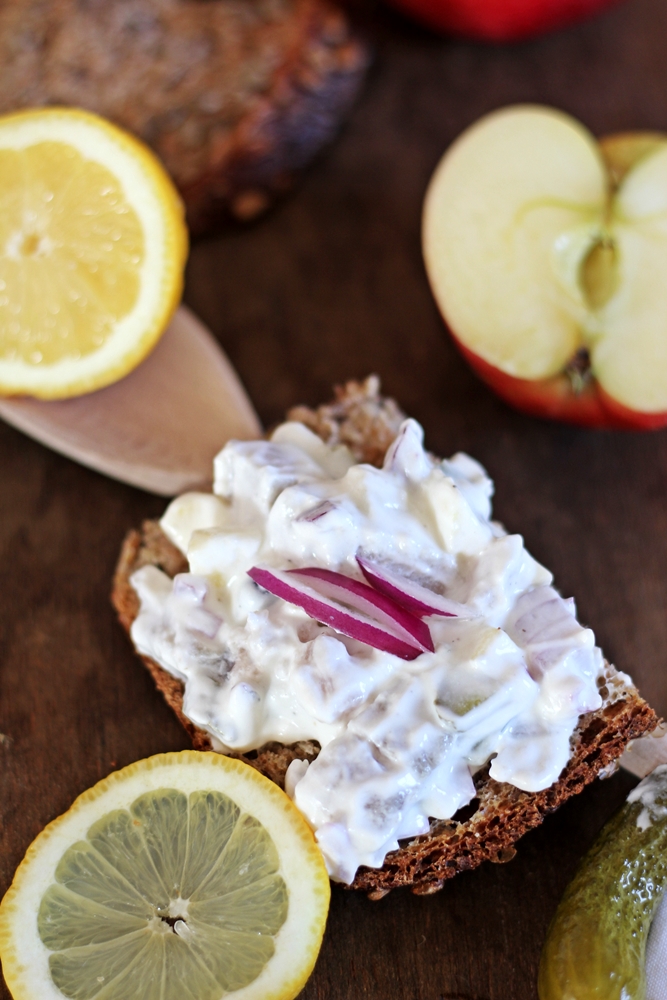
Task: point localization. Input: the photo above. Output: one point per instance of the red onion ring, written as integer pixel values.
(349, 607)
(410, 595)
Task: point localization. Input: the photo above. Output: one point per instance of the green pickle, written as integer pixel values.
(596, 944)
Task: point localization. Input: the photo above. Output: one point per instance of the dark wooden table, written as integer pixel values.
(330, 286)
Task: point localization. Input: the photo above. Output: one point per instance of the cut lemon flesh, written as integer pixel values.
(92, 250)
(187, 876)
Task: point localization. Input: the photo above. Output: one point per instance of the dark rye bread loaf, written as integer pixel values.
(233, 95)
(501, 813)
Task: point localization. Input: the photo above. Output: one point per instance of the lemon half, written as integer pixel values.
(186, 876)
(92, 249)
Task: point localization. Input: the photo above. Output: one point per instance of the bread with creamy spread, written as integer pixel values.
(233, 95)
(501, 813)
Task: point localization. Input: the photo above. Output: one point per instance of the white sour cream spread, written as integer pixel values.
(651, 793)
(400, 740)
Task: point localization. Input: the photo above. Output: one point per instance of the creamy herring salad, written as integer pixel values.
(502, 674)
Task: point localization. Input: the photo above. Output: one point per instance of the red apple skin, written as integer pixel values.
(499, 20)
(554, 399)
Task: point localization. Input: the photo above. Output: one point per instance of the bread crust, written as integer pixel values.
(488, 828)
(235, 96)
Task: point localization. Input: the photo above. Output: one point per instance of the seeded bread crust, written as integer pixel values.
(233, 95)
(487, 830)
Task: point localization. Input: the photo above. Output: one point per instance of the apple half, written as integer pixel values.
(547, 254)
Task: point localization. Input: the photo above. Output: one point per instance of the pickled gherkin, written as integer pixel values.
(596, 944)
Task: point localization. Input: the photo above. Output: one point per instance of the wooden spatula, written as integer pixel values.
(643, 755)
(160, 426)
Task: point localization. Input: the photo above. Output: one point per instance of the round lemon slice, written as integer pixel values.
(92, 249)
(186, 876)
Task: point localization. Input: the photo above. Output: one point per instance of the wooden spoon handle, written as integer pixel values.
(160, 426)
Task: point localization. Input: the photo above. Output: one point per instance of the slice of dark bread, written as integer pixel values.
(501, 813)
(233, 95)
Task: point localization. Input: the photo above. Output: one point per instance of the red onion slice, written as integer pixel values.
(349, 607)
(410, 595)
(369, 602)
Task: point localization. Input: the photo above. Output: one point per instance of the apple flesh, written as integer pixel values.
(547, 255)
(499, 20)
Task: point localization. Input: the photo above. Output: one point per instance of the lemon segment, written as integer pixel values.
(187, 876)
(92, 249)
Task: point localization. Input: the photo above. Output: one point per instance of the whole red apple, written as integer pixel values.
(499, 20)
(547, 255)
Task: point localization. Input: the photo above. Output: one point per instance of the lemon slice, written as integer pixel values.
(186, 876)
(92, 250)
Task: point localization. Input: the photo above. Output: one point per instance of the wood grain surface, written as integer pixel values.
(329, 286)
